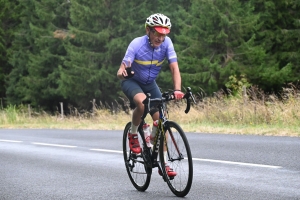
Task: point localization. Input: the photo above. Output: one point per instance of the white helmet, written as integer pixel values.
(159, 20)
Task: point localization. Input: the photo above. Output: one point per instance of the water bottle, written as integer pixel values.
(154, 129)
(147, 132)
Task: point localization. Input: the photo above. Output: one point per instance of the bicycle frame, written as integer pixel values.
(160, 134)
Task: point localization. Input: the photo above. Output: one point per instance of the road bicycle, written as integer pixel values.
(170, 145)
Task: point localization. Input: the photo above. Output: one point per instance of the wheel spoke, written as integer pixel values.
(178, 157)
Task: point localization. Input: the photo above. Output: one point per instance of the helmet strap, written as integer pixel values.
(149, 37)
(150, 41)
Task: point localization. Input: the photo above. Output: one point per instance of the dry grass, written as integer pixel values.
(251, 113)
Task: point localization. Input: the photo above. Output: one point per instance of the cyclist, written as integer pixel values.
(140, 67)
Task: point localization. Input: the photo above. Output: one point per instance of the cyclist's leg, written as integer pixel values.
(154, 90)
(134, 93)
(169, 170)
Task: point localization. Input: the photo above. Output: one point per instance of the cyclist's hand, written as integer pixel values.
(178, 94)
(128, 73)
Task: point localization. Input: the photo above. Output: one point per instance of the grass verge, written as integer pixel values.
(251, 113)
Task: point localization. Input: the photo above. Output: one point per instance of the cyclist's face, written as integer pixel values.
(155, 38)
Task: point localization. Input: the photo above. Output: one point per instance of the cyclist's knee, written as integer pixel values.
(139, 98)
(153, 111)
(155, 116)
(140, 106)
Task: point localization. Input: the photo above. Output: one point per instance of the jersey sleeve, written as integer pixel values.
(130, 54)
(171, 54)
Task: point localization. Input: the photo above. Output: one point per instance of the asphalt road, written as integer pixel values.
(86, 164)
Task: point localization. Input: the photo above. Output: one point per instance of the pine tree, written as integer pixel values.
(9, 17)
(22, 45)
(278, 39)
(211, 39)
(39, 63)
(50, 31)
(86, 52)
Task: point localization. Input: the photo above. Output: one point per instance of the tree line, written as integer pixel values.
(70, 50)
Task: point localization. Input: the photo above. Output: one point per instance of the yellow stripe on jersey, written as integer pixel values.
(153, 62)
(160, 63)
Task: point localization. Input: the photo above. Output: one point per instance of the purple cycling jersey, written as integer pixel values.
(145, 60)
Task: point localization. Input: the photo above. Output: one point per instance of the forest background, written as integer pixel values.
(69, 51)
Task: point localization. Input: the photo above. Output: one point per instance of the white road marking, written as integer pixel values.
(115, 151)
(238, 163)
(207, 160)
(107, 150)
(53, 145)
(13, 141)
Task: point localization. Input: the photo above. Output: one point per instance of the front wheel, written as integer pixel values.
(175, 153)
(135, 163)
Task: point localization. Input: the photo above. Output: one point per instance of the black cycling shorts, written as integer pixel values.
(131, 87)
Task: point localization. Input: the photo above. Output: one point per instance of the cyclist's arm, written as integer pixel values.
(175, 75)
(120, 71)
(173, 64)
(127, 60)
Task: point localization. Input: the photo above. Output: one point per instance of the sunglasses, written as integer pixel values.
(157, 34)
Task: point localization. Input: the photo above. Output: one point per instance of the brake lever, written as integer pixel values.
(188, 106)
(187, 97)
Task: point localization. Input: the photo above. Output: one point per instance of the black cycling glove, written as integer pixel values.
(129, 74)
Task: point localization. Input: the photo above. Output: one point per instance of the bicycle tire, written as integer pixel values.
(135, 164)
(181, 162)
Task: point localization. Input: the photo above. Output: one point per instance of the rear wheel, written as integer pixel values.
(175, 152)
(135, 164)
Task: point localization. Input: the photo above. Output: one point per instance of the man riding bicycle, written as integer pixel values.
(140, 67)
